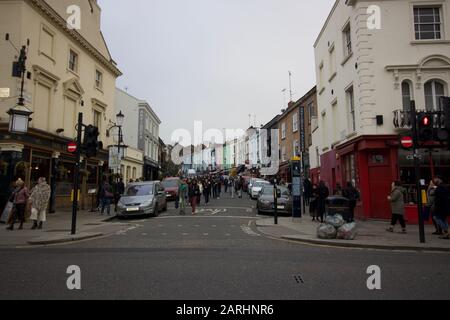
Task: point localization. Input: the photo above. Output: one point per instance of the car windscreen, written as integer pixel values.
(268, 190)
(170, 183)
(260, 184)
(139, 190)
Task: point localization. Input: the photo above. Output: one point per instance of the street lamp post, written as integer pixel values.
(118, 124)
(19, 116)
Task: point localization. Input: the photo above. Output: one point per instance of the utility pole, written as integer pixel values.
(76, 182)
(290, 86)
(417, 170)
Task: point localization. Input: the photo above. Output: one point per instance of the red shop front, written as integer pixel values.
(371, 164)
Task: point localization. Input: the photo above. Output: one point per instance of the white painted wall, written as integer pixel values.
(377, 90)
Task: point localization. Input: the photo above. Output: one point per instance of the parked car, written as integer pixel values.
(266, 203)
(257, 188)
(251, 181)
(144, 198)
(171, 186)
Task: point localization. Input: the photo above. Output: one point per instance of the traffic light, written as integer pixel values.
(91, 143)
(426, 126)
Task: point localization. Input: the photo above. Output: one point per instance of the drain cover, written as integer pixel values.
(298, 279)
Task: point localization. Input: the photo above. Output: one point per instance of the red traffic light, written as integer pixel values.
(72, 147)
(426, 121)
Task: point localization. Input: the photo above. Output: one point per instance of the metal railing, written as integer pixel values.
(402, 118)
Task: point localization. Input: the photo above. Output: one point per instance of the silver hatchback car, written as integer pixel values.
(144, 198)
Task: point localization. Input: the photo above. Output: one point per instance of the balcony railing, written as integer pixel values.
(402, 119)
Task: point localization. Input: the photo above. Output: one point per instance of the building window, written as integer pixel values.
(47, 42)
(347, 35)
(295, 122)
(427, 23)
(73, 61)
(283, 154)
(97, 119)
(296, 149)
(321, 84)
(311, 112)
(98, 79)
(283, 130)
(351, 108)
(434, 90)
(134, 173)
(406, 95)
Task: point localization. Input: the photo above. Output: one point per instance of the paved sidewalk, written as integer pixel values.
(371, 234)
(58, 229)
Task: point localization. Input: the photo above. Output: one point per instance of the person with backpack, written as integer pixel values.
(441, 206)
(397, 206)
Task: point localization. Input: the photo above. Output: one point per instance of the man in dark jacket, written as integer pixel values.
(322, 194)
(441, 206)
(352, 195)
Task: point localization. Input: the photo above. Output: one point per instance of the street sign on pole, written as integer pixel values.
(407, 142)
(76, 179)
(417, 170)
(72, 147)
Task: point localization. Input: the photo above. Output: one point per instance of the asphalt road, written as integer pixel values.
(217, 254)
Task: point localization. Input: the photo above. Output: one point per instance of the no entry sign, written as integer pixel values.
(72, 147)
(407, 142)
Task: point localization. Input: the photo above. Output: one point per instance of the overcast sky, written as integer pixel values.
(213, 60)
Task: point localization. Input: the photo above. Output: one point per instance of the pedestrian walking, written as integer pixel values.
(313, 202)
(441, 206)
(40, 196)
(397, 206)
(200, 192)
(322, 194)
(21, 196)
(232, 187)
(207, 191)
(225, 182)
(352, 195)
(428, 209)
(107, 196)
(194, 191)
(182, 194)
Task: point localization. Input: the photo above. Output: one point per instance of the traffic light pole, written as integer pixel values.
(275, 202)
(76, 182)
(417, 171)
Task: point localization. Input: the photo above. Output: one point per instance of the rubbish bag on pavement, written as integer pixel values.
(336, 220)
(326, 231)
(347, 231)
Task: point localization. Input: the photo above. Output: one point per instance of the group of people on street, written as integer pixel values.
(436, 206)
(209, 187)
(315, 196)
(36, 201)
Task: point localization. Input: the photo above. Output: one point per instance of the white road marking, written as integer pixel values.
(164, 234)
(214, 226)
(206, 234)
(227, 235)
(144, 234)
(249, 231)
(185, 234)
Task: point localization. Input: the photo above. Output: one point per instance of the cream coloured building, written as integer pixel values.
(72, 71)
(372, 58)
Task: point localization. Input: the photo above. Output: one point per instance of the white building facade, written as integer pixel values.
(372, 58)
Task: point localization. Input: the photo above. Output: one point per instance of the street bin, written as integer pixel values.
(338, 205)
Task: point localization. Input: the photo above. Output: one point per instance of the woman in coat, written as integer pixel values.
(40, 195)
(21, 197)
(397, 206)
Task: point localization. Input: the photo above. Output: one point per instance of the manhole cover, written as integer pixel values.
(298, 279)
